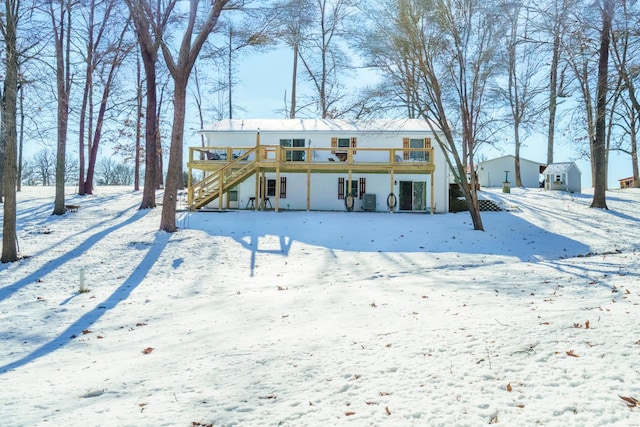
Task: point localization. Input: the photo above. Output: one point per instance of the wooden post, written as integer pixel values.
(277, 201)
(308, 189)
(263, 189)
(433, 200)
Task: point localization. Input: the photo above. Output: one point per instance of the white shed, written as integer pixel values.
(563, 176)
(492, 173)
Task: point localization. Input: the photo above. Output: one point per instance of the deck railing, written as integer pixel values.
(316, 155)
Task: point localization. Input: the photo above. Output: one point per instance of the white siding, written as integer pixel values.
(324, 186)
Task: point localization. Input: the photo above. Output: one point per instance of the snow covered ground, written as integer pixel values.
(317, 319)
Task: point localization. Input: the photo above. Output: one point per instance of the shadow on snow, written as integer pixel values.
(91, 317)
(7, 291)
(275, 233)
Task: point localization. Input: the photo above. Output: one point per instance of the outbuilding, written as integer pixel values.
(563, 176)
(492, 173)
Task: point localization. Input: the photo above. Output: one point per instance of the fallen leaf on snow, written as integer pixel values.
(631, 401)
(509, 388)
(571, 353)
(147, 350)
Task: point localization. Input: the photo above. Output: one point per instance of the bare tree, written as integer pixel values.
(236, 37)
(580, 51)
(118, 52)
(600, 152)
(524, 85)
(8, 132)
(294, 18)
(106, 48)
(43, 166)
(148, 21)
(322, 54)
(555, 16)
(449, 54)
(109, 172)
(60, 16)
(128, 142)
(625, 50)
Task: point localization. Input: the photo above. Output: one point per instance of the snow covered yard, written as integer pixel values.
(333, 318)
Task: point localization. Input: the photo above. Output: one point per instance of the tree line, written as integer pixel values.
(104, 77)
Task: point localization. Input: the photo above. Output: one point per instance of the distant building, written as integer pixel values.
(563, 176)
(492, 173)
(626, 182)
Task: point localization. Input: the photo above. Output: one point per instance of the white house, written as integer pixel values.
(313, 164)
(563, 176)
(492, 173)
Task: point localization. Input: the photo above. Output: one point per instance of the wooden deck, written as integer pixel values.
(290, 159)
(226, 167)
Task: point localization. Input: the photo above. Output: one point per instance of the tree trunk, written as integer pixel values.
(634, 157)
(63, 80)
(20, 142)
(599, 147)
(9, 135)
(294, 82)
(180, 71)
(230, 72)
(88, 83)
(174, 169)
(138, 148)
(553, 97)
(93, 154)
(151, 158)
(517, 156)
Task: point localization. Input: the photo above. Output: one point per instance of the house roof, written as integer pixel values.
(512, 157)
(560, 168)
(319, 125)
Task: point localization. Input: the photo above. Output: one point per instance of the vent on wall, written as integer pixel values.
(369, 202)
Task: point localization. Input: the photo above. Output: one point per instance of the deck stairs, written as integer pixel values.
(222, 180)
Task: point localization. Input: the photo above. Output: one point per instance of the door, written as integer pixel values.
(406, 195)
(233, 198)
(413, 196)
(419, 196)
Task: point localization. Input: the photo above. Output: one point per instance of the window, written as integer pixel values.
(408, 154)
(293, 155)
(343, 143)
(416, 143)
(343, 190)
(558, 178)
(271, 188)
